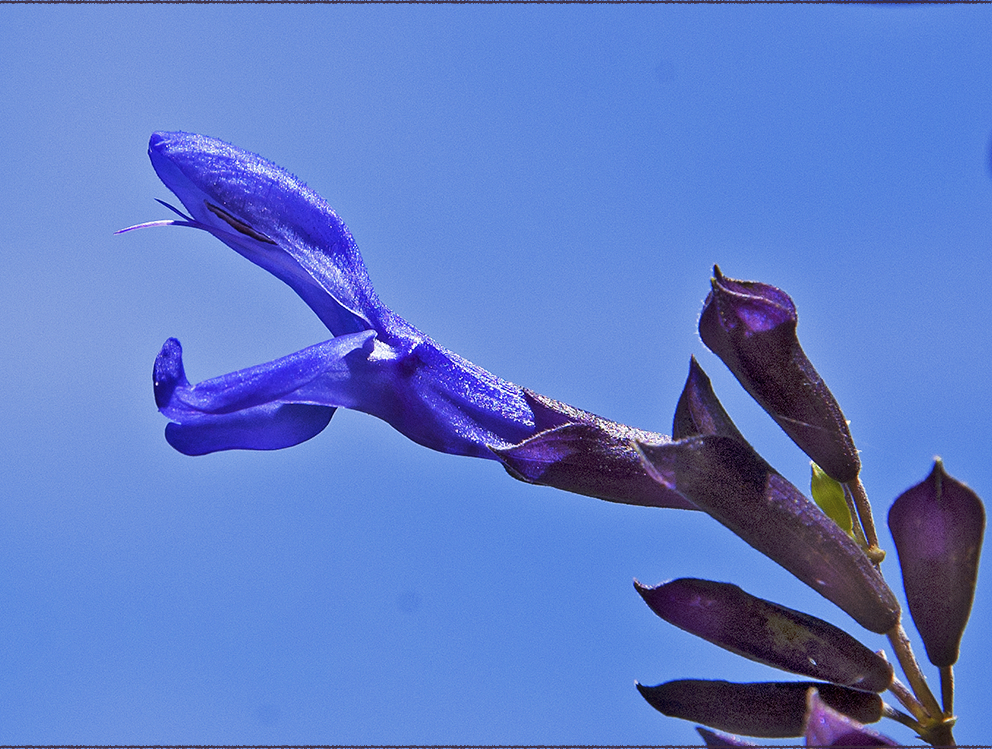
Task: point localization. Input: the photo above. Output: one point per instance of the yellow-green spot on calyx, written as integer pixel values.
(787, 634)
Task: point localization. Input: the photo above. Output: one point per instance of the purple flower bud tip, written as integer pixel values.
(752, 328)
(699, 412)
(938, 527)
(755, 307)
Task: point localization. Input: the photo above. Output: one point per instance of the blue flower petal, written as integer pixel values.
(270, 217)
(268, 407)
(272, 426)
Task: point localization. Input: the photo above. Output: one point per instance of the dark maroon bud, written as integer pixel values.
(728, 480)
(938, 526)
(770, 710)
(752, 327)
(768, 633)
(579, 452)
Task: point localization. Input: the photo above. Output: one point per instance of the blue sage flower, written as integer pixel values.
(377, 362)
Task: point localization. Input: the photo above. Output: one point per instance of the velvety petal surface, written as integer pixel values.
(764, 709)
(752, 327)
(728, 480)
(768, 633)
(583, 453)
(441, 400)
(828, 727)
(938, 527)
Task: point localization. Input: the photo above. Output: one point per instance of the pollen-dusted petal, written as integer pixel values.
(752, 327)
(768, 633)
(728, 480)
(770, 710)
(938, 526)
(825, 726)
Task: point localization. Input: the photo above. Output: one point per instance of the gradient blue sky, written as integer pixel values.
(543, 190)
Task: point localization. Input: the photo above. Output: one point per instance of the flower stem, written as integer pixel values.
(908, 701)
(856, 529)
(910, 667)
(900, 717)
(857, 490)
(947, 689)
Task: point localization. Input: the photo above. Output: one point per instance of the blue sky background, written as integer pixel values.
(543, 190)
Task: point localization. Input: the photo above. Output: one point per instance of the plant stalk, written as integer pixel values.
(947, 689)
(857, 490)
(906, 698)
(910, 667)
(900, 717)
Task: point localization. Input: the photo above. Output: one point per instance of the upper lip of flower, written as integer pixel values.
(274, 220)
(199, 194)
